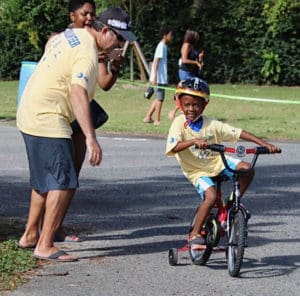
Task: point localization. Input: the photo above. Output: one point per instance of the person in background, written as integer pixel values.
(82, 15)
(159, 75)
(191, 61)
(59, 91)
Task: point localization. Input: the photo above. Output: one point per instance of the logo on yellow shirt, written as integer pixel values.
(82, 76)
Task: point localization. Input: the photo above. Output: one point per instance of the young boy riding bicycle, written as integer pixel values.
(189, 135)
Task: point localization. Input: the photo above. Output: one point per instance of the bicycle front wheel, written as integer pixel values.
(236, 243)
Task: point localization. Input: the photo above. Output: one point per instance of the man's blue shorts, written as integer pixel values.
(51, 163)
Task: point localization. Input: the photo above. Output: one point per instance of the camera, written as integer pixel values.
(149, 92)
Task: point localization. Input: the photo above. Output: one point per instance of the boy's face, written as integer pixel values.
(192, 107)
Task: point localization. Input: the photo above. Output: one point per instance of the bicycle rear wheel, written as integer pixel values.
(236, 243)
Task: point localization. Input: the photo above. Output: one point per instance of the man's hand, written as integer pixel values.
(94, 150)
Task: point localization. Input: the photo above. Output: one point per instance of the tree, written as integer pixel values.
(24, 29)
(252, 41)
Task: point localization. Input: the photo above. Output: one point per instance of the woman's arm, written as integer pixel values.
(106, 79)
(185, 49)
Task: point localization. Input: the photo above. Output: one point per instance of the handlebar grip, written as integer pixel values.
(217, 147)
(264, 150)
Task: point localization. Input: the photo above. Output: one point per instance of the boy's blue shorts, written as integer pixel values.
(203, 183)
(51, 163)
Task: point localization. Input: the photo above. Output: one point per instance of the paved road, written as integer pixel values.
(137, 205)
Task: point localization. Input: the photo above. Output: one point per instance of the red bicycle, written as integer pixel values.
(228, 218)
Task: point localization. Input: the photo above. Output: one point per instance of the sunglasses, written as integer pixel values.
(119, 37)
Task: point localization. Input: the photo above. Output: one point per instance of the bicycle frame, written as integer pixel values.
(240, 151)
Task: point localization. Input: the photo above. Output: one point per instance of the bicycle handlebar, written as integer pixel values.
(240, 151)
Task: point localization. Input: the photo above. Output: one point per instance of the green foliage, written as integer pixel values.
(14, 259)
(249, 41)
(24, 30)
(271, 68)
(14, 263)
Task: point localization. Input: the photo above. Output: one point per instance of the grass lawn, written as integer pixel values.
(127, 107)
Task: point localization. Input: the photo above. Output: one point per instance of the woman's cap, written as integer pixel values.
(118, 20)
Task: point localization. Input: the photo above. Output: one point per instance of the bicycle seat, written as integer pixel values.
(220, 178)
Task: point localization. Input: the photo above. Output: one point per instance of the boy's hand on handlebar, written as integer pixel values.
(201, 144)
(273, 149)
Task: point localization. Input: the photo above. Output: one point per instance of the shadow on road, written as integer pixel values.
(155, 206)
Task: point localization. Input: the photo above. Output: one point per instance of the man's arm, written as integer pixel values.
(81, 109)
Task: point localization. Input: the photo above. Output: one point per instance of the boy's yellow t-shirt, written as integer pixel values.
(71, 57)
(196, 163)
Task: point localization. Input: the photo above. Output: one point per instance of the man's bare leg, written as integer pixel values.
(57, 203)
(36, 211)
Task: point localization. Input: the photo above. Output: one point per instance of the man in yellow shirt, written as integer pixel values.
(58, 92)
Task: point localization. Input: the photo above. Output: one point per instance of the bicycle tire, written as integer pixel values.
(173, 257)
(211, 234)
(236, 243)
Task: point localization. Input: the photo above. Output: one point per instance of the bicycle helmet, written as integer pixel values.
(195, 87)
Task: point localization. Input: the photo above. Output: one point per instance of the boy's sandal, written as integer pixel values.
(197, 245)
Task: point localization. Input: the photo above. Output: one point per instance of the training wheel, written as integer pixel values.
(173, 256)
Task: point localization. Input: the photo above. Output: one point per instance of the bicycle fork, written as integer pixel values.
(237, 206)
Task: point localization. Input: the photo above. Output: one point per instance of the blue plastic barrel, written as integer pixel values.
(27, 69)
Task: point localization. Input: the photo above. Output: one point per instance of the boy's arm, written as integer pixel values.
(252, 138)
(155, 69)
(182, 145)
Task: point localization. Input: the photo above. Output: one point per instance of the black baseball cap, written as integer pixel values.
(117, 19)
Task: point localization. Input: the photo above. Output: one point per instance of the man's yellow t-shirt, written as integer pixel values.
(196, 163)
(71, 57)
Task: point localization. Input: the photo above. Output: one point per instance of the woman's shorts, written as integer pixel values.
(51, 163)
(185, 75)
(203, 183)
(160, 92)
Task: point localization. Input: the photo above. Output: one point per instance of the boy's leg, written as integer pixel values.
(160, 96)
(204, 210)
(148, 117)
(245, 179)
(172, 113)
(158, 108)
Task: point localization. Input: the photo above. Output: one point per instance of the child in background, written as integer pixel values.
(159, 75)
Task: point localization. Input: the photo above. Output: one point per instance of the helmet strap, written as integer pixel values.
(197, 118)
